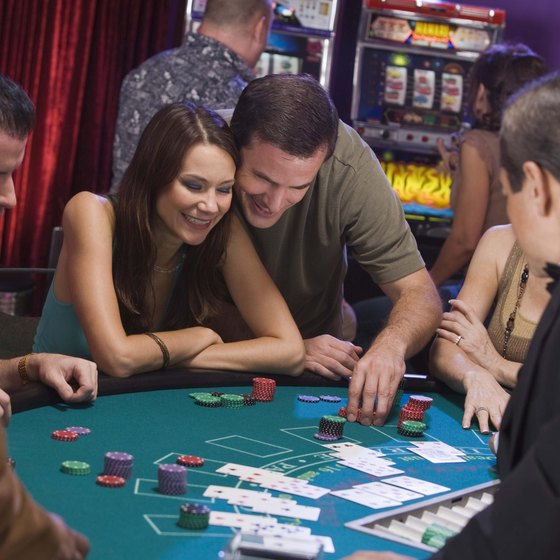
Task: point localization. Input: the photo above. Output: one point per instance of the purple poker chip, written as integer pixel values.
(172, 479)
(326, 437)
(195, 509)
(330, 398)
(308, 398)
(80, 430)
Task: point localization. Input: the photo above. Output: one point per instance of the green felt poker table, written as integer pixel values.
(154, 418)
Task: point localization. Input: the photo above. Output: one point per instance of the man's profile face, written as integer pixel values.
(269, 181)
(12, 151)
(524, 218)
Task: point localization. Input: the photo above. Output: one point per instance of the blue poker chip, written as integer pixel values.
(330, 398)
(308, 398)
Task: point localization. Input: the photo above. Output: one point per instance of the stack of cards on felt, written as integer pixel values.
(389, 491)
(366, 498)
(262, 502)
(376, 466)
(347, 450)
(437, 452)
(296, 486)
(417, 485)
(273, 480)
(231, 519)
(250, 474)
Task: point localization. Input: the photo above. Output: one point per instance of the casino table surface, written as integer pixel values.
(157, 425)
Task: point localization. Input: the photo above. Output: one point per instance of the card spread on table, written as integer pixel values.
(275, 529)
(366, 498)
(347, 449)
(437, 452)
(371, 465)
(227, 492)
(230, 519)
(262, 502)
(438, 445)
(389, 491)
(437, 455)
(273, 481)
(245, 471)
(295, 486)
(417, 485)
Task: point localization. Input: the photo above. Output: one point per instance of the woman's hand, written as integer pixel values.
(462, 327)
(485, 400)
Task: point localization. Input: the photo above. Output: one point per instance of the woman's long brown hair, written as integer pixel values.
(156, 163)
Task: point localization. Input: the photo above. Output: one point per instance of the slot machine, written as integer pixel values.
(411, 84)
(301, 38)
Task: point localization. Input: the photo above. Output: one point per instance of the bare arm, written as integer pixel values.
(415, 315)
(88, 284)
(278, 347)
(467, 367)
(468, 220)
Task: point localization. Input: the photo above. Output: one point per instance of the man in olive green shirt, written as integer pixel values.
(311, 192)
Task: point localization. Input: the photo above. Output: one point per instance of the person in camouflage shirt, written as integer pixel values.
(211, 68)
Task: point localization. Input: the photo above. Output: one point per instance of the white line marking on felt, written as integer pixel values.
(282, 450)
(149, 517)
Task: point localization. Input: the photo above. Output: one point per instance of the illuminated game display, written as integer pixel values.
(301, 39)
(411, 89)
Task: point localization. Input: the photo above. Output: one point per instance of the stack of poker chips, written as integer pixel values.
(77, 468)
(308, 398)
(249, 400)
(118, 464)
(263, 388)
(206, 399)
(192, 461)
(193, 516)
(232, 401)
(110, 481)
(411, 418)
(435, 535)
(330, 428)
(172, 479)
(64, 435)
(343, 413)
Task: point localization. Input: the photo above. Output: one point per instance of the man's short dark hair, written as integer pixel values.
(530, 130)
(292, 112)
(17, 113)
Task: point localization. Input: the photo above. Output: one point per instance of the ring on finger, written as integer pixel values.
(458, 339)
(481, 408)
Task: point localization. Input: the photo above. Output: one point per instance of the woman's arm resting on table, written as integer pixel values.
(277, 346)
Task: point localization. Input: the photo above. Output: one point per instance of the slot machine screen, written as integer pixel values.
(413, 90)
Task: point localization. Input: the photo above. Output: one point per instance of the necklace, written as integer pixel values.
(172, 269)
(511, 320)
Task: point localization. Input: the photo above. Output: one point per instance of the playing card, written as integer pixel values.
(417, 485)
(373, 466)
(389, 491)
(435, 455)
(229, 519)
(366, 498)
(293, 486)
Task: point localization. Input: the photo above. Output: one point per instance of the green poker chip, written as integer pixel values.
(78, 468)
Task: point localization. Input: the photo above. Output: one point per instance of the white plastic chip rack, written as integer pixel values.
(406, 524)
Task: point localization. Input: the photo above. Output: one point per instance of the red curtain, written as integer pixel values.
(71, 56)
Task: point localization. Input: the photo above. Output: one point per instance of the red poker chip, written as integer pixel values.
(190, 461)
(420, 401)
(110, 481)
(64, 435)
